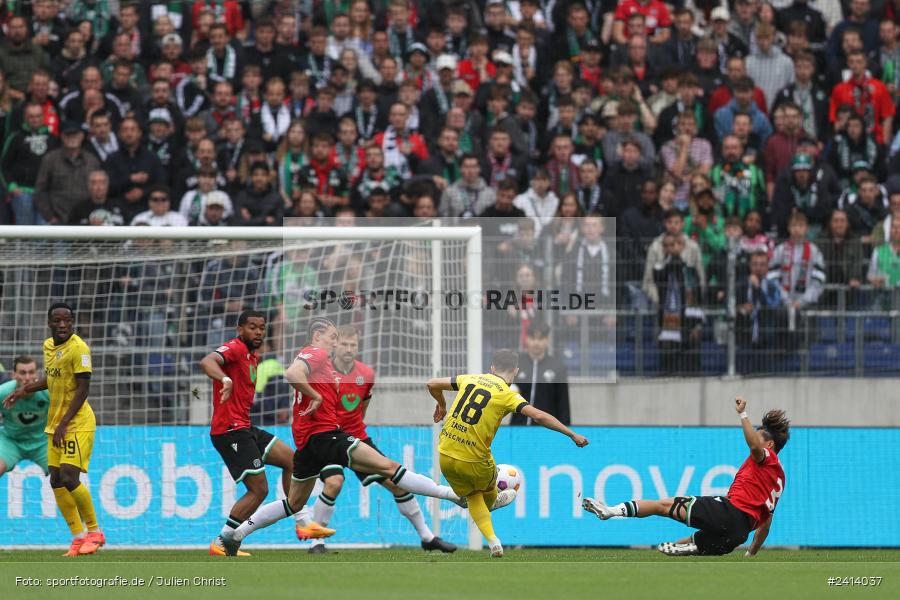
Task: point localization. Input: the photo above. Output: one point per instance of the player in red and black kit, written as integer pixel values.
(244, 448)
(356, 380)
(724, 522)
(320, 442)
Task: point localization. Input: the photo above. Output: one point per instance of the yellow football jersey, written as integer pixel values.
(474, 416)
(61, 364)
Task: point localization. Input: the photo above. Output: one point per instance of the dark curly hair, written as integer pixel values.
(776, 427)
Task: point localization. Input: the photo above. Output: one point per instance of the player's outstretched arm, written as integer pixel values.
(751, 436)
(25, 390)
(550, 422)
(211, 364)
(759, 538)
(436, 387)
(298, 376)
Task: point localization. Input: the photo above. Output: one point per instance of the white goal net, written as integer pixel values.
(152, 302)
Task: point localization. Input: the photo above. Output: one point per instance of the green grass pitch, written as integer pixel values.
(410, 574)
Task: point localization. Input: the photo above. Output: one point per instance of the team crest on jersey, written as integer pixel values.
(58, 354)
(234, 447)
(350, 438)
(360, 380)
(549, 375)
(257, 463)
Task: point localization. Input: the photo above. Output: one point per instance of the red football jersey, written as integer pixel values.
(323, 378)
(240, 365)
(656, 13)
(354, 389)
(758, 486)
(872, 102)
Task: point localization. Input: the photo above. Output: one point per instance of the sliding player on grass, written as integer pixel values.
(723, 522)
(320, 442)
(481, 403)
(244, 448)
(356, 380)
(70, 426)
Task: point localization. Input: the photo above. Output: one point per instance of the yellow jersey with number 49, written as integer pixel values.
(61, 364)
(474, 416)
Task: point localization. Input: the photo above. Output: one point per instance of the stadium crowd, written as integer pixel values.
(757, 130)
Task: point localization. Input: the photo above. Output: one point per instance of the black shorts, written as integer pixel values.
(723, 527)
(244, 450)
(364, 478)
(329, 449)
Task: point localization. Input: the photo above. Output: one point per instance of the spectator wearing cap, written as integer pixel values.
(133, 168)
(726, 42)
(735, 70)
(624, 128)
(416, 68)
(161, 138)
(100, 202)
(865, 207)
(470, 195)
(781, 146)
(807, 94)
(688, 100)
(160, 213)
(437, 100)
(193, 202)
(852, 146)
(23, 151)
(742, 103)
(102, 141)
(707, 70)
(800, 192)
(173, 52)
(259, 203)
(542, 378)
(20, 56)
(62, 180)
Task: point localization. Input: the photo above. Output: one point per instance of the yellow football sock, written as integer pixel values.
(85, 506)
(69, 510)
(480, 514)
(489, 498)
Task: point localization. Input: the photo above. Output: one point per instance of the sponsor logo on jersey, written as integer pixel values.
(222, 349)
(52, 372)
(234, 446)
(58, 354)
(350, 401)
(257, 463)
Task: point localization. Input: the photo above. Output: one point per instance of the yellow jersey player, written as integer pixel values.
(465, 446)
(70, 426)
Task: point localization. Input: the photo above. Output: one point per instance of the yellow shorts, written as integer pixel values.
(75, 450)
(467, 477)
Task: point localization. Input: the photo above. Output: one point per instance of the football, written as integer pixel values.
(508, 477)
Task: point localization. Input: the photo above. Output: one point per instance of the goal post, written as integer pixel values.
(150, 301)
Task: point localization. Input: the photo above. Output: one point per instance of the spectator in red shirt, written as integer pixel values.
(867, 95)
(403, 150)
(477, 68)
(658, 20)
(227, 11)
(782, 145)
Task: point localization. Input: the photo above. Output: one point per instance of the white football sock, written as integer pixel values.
(264, 516)
(303, 517)
(424, 486)
(409, 508)
(323, 510)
